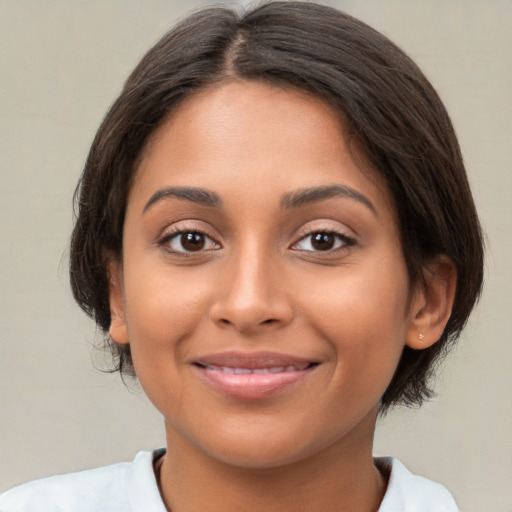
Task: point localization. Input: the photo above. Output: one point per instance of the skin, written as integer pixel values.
(259, 284)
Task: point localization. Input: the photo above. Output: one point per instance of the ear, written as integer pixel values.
(432, 303)
(117, 330)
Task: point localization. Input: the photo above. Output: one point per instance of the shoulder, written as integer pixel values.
(412, 493)
(111, 488)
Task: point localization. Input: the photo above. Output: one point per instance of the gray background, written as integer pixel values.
(61, 65)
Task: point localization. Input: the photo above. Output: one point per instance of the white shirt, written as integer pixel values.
(132, 487)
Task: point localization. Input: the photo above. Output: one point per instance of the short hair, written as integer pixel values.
(391, 112)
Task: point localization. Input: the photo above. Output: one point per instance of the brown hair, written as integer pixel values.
(393, 115)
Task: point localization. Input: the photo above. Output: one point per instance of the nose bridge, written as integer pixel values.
(251, 293)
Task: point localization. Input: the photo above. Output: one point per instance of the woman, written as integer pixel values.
(276, 230)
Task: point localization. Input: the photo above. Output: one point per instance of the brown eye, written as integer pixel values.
(189, 241)
(192, 241)
(323, 241)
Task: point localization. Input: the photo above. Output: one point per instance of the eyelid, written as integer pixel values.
(181, 228)
(346, 242)
(345, 234)
(325, 226)
(170, 238)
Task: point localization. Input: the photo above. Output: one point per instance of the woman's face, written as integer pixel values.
(263, 288)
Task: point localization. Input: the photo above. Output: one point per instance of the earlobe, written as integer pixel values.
(117, 330)
(432, 304)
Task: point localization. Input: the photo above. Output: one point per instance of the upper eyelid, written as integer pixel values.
(306, 229)
(187, 226)
(349, 240)
(324, 227)
(170, 232)
(164, 242)
(347, 235)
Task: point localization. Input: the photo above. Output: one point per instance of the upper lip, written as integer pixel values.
(252, 360)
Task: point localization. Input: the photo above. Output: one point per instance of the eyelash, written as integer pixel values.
(345, 240)
(175, 233)
(178, 232)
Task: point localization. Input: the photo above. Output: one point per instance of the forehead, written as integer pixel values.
(243, 129)
(234, 111)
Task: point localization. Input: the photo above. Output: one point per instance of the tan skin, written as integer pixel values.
(253, 271)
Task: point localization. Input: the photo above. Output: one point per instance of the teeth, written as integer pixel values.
(243, 371)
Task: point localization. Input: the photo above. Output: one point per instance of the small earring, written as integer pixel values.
(420, 336)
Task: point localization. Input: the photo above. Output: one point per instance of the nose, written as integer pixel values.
(251, 296)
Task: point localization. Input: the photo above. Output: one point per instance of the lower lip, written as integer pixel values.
(252, 386)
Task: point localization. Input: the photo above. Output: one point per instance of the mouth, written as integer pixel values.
(252, 376)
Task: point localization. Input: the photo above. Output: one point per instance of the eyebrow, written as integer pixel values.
(290, 200)
(193, 194)
(315, 194)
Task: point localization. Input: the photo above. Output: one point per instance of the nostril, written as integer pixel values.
(269, 321)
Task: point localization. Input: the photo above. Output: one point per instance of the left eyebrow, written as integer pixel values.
(314, 194)
(193, 194)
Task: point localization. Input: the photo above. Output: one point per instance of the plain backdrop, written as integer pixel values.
(61, 64)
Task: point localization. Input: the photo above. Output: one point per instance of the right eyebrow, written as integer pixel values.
(193, 194)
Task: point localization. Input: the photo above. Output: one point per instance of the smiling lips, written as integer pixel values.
(252, 376)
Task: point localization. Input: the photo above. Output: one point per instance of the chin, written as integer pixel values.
(266, 445)
(256, 456)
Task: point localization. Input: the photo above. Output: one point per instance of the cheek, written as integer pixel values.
(163, 308)
(164, 311)
(362, 316)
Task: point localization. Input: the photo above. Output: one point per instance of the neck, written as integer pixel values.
(341, 478)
